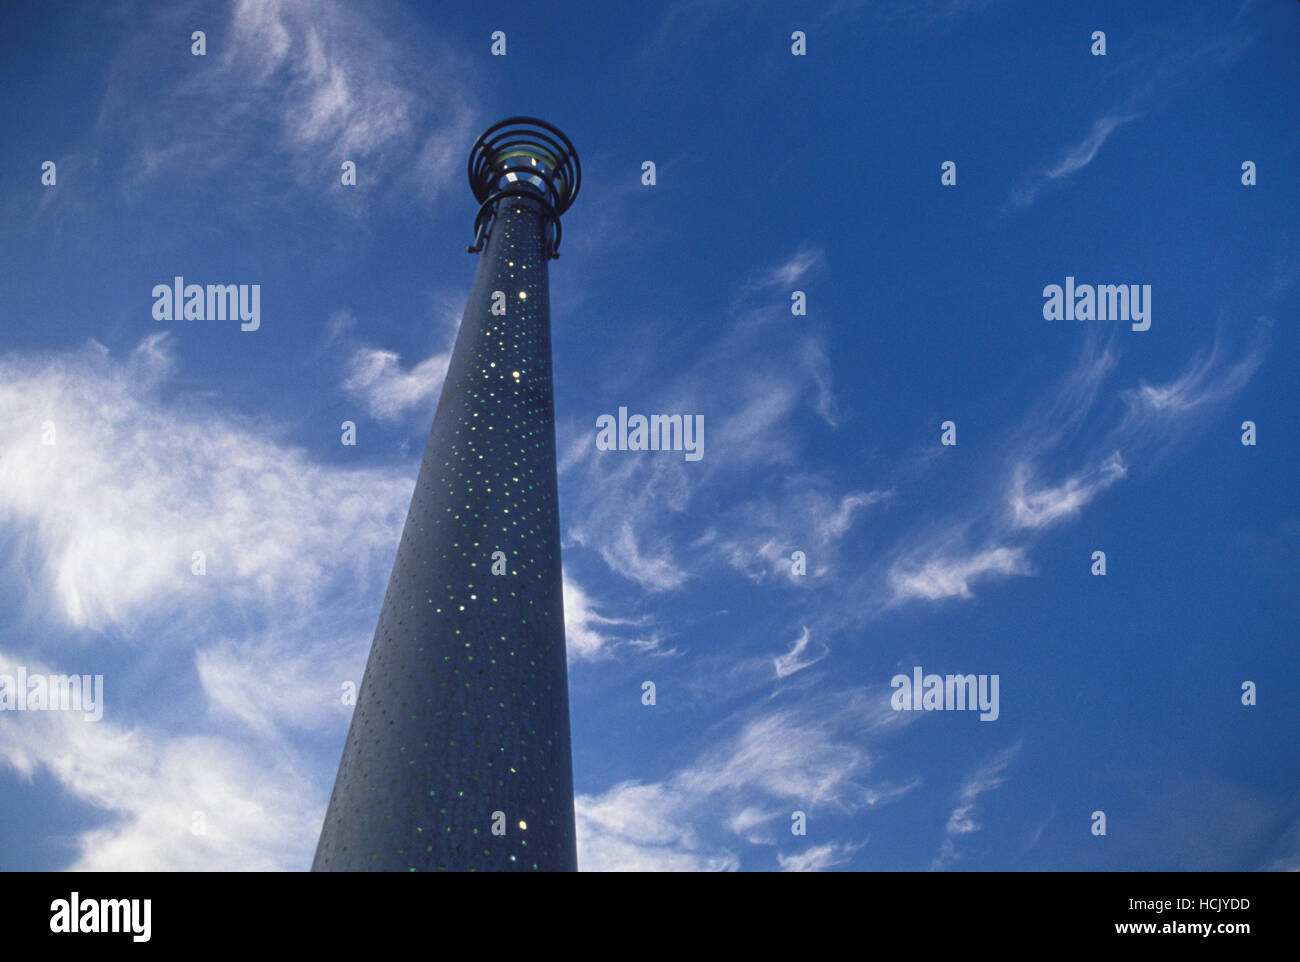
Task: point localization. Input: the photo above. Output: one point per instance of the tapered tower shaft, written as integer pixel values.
(458, 756)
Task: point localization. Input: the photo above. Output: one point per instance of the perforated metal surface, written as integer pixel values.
(463, 711)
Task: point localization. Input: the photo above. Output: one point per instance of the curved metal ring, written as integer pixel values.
(487, 211)
(494, 173)
(530, 135)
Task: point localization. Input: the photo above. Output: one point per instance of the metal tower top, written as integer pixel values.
(527, 157)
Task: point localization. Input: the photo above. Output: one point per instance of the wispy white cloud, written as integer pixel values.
(133, 486)
(961, 821)
(1209, 379)
(342, 85)
(592, 636)
(1081, 155)
(837, 524)
(951, 576)
(818, 858)
(794, 660)
(808, 757)
(992, 537)
(105, 520)
(794, 270)
(652, 566)
(388, 390)
(753, 823)
(317, 82)
(285, 682)
(762, 533)
(1073, 159)
(1038, 508)
(636, 508)
(254, 810)
(1166, 69)
(640, 828)
(816, 363)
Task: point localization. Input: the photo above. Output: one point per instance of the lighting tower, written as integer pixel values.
(461, 725)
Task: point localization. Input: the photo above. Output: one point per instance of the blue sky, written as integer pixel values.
(775, 173)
